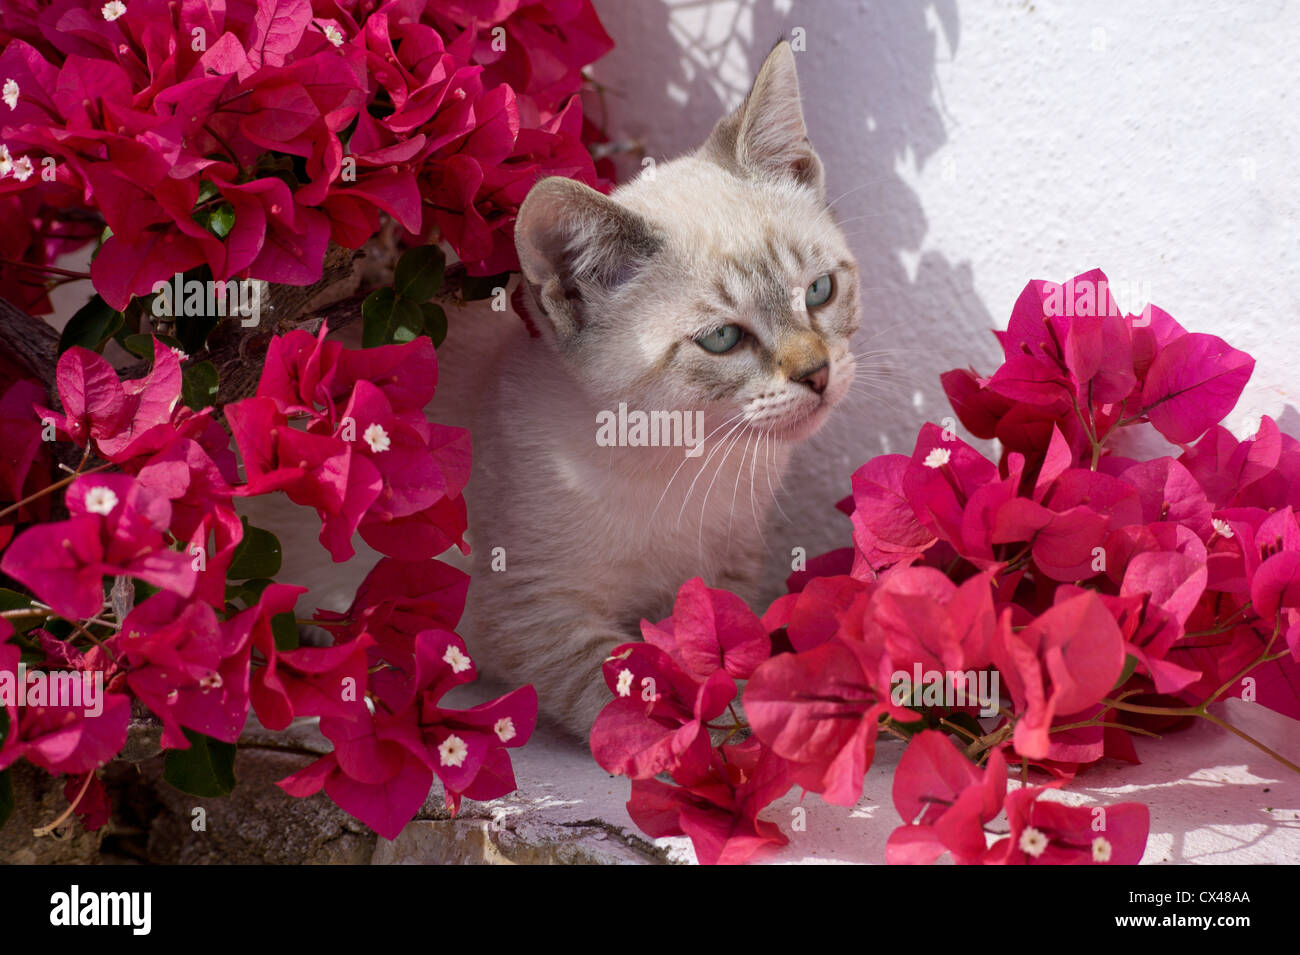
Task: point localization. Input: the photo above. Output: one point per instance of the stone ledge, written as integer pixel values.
(1213, 799)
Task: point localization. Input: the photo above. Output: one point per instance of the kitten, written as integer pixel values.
(719, 285)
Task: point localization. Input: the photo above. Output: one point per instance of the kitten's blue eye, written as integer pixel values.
(722, 340)
(819, 293)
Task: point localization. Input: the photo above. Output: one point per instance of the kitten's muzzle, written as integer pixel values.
(815, 378)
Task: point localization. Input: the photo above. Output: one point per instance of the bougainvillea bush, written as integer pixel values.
(245, 136)
(1109, 596)
(249, 140)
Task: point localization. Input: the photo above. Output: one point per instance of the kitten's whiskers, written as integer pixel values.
(686, 459)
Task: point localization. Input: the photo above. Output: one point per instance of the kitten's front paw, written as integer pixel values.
(577, 697)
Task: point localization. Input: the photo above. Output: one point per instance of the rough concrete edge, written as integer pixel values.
(474, 839)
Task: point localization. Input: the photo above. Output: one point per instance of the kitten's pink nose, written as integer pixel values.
(815, 379)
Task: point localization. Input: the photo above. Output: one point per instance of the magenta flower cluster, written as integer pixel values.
(247, 136)
(152, 537)
(1108, 595)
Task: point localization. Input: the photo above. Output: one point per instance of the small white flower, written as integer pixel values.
(6, 161)
(333, 35)
(1032, 842)
(377, 438)
(113, 9)
(10, 93)
(624, 682)
(1221, 527)
(458, 662)
(505, 729)
(23, 169)
(101, 500)
(937, 458)
(453, 751)
(179, 353)
(210, 682)
(1101, 849)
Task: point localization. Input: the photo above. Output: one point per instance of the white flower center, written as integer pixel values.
(377, 438)
(333, 35)
(625, 683)
(458, 662)
(113, 9)
(101, 500)
(505, 729)
(937, 458)
(453, 751)
(1032, 842)
(10, 93)
(1221, 527)
(1101, 849)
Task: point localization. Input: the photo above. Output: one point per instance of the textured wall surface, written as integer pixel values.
(973, 146)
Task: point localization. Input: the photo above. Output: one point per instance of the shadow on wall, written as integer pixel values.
(872, 107)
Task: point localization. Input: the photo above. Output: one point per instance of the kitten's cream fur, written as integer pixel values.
(596, 538)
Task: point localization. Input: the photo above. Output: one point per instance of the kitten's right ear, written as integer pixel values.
(575, 245)
(766, 136)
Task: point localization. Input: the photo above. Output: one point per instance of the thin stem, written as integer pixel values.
(46, 830)
(103, 623)
(1119, 726)
(1153, 710)
(1252, 741)
(62, 482)
(51, 269)
(960, 729)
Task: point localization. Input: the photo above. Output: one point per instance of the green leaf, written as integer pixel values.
(12, 600)
(419, 273)
(278, 165)
(6, 798)
(207, 190)
(284, 628)
(258, 554)
(476, 287)
(207, 768)
(141, 345)
(222, 219)
(1130, 664)
(389, 319)
(199, 385)
(91, 327)
(143, 591)
(435, 322)
(249, 591)
(193, 331)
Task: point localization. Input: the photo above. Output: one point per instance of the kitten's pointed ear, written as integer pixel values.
(766, 135)
(575, 246)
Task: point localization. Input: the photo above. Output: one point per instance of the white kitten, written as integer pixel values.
(720, 286)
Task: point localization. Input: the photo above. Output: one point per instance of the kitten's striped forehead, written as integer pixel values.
(763, 275)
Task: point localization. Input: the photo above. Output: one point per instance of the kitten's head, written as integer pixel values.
(718, 281)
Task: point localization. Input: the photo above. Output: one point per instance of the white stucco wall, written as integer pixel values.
(977, 145)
